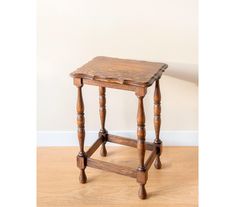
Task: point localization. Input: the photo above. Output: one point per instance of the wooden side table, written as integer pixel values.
(128, 75)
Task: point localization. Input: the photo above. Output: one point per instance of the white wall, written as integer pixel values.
(72, 32)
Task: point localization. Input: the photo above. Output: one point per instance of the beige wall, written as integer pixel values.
(72, 32)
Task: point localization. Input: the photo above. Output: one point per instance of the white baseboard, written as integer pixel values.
(69, 138)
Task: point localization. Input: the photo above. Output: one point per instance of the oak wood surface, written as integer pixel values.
(107, 84)
(94, 147)
(157, 111)
(142, 174)
(157, 121)
(175, 185)
(141, 132)
(127, 141)
(150, 160)
(102, 111)
(122, 71)
(80, 121)
(102, 165)
(81, 135)
(124, 74)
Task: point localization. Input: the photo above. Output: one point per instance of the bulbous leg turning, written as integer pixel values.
(103, 132)
(157, 124)
(157, 163)
(103, 151)
(142, 174)
(142, 192)
(82, 177)
(81, 136)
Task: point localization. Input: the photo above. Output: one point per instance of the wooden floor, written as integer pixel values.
(176, 184)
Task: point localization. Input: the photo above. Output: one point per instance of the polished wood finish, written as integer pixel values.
(102, 102)
(175, 185)
(80, 121)
(102, 110)
(142, 192)
(141, 132)
(150, 160)
(141, 175)
(122, 170)
(108, 85)
(121, 71)
(131, 75)
(128, 142)
(94, 147)
(81, 134)
(157, 122)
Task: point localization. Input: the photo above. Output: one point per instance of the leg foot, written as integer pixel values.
(142, 192)
(157, 163)
(82, 177)
(103, 151)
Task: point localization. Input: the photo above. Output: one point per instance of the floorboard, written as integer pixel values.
(176, 184)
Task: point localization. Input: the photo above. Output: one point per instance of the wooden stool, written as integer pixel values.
(128, 75)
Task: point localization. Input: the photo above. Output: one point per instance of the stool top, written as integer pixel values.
(122, 71)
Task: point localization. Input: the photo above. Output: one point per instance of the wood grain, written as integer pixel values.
(81, 135)
(122, 71)
(157, 111)
(175, 185)
(142, 174)
(102, 111)
(94, 147)
(128, 141)
(123, 74)
(150, 160)
(107, 84)
(107, 166)
(157, 122)
(141, 132)
(80, 121)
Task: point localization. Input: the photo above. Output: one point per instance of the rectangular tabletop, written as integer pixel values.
(122, 71)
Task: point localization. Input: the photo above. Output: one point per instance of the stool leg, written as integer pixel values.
(157, 123)
(81, 158)
(141, 171)
(102, 110)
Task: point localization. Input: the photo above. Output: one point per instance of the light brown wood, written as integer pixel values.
(175, 185)
(121, 71)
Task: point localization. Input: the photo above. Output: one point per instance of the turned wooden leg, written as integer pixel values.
(102, 110)
(141, 171)
(157, 123)
(81, 158)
